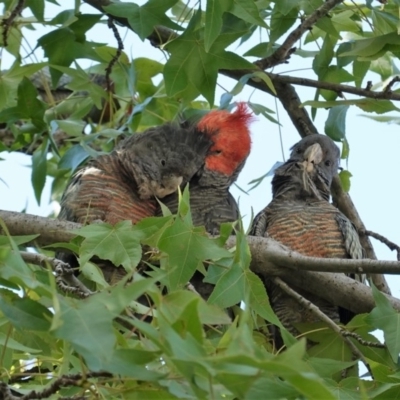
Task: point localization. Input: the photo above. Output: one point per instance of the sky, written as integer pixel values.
(374, 158)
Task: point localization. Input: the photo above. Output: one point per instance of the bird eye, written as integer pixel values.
(298, 151)
(163, 163)
(328, 163)
(218, 151)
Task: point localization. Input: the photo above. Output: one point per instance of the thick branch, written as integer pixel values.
(50, 230)
(268, 258)
(283, 52)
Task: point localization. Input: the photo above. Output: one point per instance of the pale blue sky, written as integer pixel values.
(374, 160)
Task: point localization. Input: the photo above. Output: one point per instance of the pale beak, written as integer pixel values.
(170, 186)
(312, 156)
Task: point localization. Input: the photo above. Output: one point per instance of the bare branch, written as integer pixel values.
(7, 22)
(388, 87)
(282, 54)
(324, 318)
(118, 53)
(7, 138)
(366, 343)
(50, 230)
(338, 88)
(79, 380)
(392, 246)
(65, 278)
(268, 258)
(162, 35)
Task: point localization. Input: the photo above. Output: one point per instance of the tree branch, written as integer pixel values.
(269, 258)
(335, 87)
(65, 278)
(324, 318)
(79, 380)
(282, 54)
(392, 246)
(50, 230)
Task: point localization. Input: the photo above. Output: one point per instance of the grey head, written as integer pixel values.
(313, 163)
(162, 158)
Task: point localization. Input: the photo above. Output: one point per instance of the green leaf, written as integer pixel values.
(384, 317)
(326, 367)
(73, 157)
(93, 319)
(334, 74)
(28, 106)
(343, 61)
(14, 269)
(130, 362)
(5, 340)
(267, 80)
(285, 6)
(345, 150)
(383, 118)
(247, 11)
(345, 176)
(25, 313)
(37, 8)
(213, 20)
(384, 22)
(262, 50)
(71, 126)
(181, 311)
(191, 70)
(326, 25)
(230, 288)
(335, 125)
(280, 23)
(57, 54)
(18, 240)
(384, 66)
(343, 22)
(186, 247)
(323, 59)
(143, 19)
(360, 69)
(120, 244)
(174, 308)
(39, 169)
(371, 48)
(264, 111)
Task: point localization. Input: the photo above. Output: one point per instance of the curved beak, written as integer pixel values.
(312, 156)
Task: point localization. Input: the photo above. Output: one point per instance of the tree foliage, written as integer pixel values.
(102, 343)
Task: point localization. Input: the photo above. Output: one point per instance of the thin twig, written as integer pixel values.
(337, 88)
(366, 343)
(191, 288)
(118, 53)
(324, 318)
(65, 278)
(388, 87)
(7, 22)
(282, 54)
(392, 246)
(79, 380)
